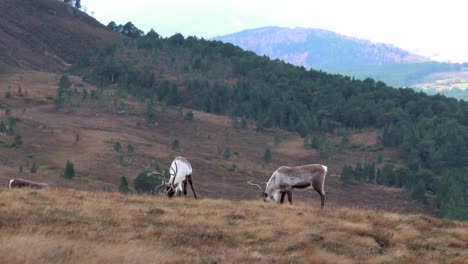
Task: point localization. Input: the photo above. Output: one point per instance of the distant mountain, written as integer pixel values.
(318, 48)
(46, 34)
(335, 53)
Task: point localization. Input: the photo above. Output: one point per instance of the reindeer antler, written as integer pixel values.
(159, 186)
(258, 185)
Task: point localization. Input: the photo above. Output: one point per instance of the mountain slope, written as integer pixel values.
(318, 48)
(46, 34)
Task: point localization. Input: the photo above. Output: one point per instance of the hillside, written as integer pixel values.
(218, 78)
(69, 226)
(49, 139)
(318, 48)
(46, 35)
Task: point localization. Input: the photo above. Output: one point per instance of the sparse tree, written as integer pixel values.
(17, 141)
(189, 115)
(69, 172)
(3, 128)
(347, 174)
(227, 153)
(123, 188)
(130, 148)
(277, 137)
(151, 110)
(175, 144)
(84, 94)
(117, 146)
(267, 157)
(34, 167)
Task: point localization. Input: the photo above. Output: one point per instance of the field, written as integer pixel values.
(70, 226)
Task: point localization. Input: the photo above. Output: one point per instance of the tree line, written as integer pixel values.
(431, 132)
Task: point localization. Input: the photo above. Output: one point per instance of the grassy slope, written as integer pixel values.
(49, 140)
(69, 226)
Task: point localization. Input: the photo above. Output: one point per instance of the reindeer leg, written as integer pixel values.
(282, 197)
(322, 198)
(185, 187)
(290, 197)
(191, 185)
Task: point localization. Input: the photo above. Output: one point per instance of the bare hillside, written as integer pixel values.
(46, 34)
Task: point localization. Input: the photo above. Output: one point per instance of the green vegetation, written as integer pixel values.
(117, 146)
(146, 184)
(175, 144)
(63, 92)
(69, 172)
(431, 132)
(34, 167)
(227, 153)
(189, 115)
(123, 188)
(267, 156)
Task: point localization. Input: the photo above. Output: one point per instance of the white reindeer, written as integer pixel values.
(181, 173)
(20, 183)
(285, 179)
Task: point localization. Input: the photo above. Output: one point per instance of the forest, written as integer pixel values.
(431, 132)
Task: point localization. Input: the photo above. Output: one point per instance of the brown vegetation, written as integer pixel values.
(49, 140)
(46, 34)
(69, 226)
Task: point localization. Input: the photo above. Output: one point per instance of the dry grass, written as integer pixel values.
(69, 226)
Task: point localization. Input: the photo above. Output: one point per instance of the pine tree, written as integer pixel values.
(175, 144)
(69, 170)
(267, 157)
(123, 188)
(347, 174)
(227, 153)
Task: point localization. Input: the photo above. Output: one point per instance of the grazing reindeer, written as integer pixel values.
(181, 173)
(285, 179)
(20, 183)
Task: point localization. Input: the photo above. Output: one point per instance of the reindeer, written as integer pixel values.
(181, 173)
(285, 179)
(20, 183)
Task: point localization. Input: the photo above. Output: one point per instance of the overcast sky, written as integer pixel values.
(433, 28)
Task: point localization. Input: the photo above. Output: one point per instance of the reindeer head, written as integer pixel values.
(153, 170)
(262, 193)
(169, 188)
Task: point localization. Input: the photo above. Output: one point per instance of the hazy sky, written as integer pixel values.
(433, 28)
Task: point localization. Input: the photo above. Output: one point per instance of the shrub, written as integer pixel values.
(175, 144)
(69, 172)
(347, 174)
(17, 141)
(267, 157)
(227, 153)
(130, 148)
(123, 188)
(146, 184)
(117, 146)
(34, 167)
(189, 115)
